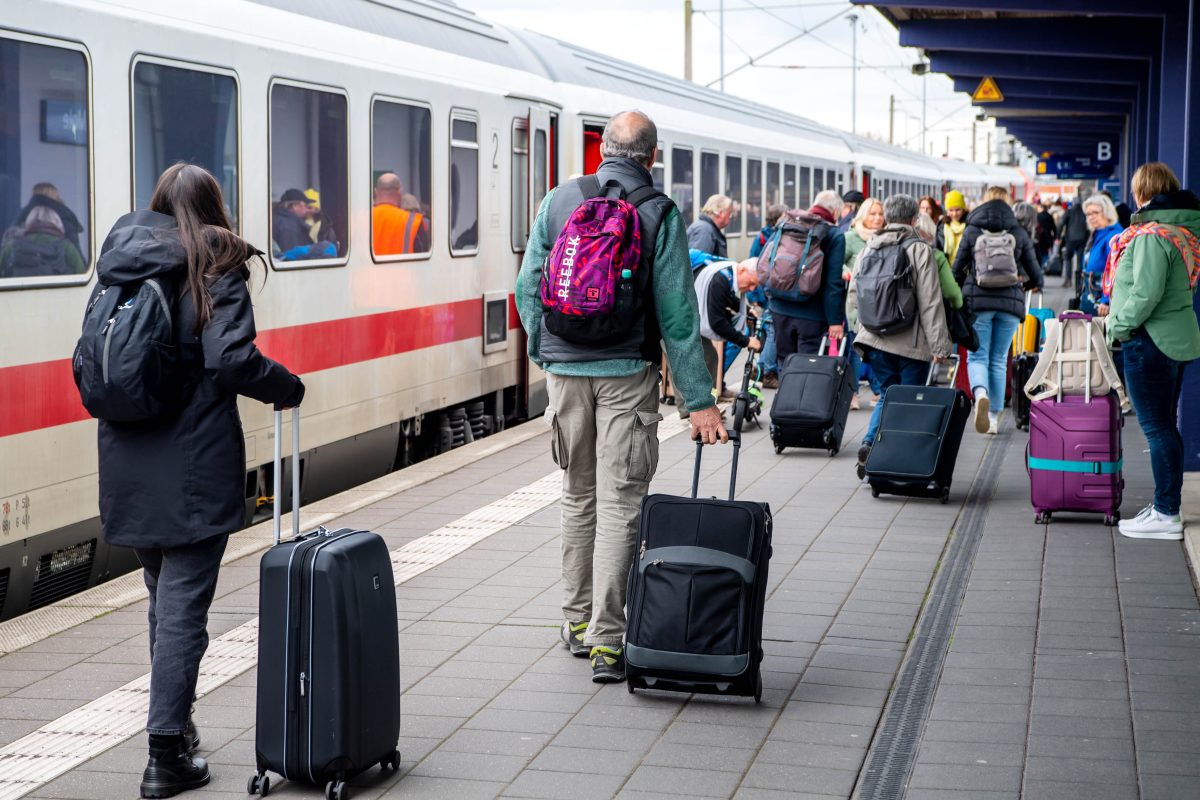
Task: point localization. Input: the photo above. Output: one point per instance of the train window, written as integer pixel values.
(540, 178)
(401, 179)
(309, 180)
(184, 114)
(818, 181)
(464, 183)
(683, 189)
(789, 185)
(45, 196)
(520, 184)
(733, 190)
(710, 175)
(830, 179)
(658, 174)
(804, 198)
(754, 194)
(774, 185)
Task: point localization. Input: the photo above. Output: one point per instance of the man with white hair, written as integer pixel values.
(603, 409)
(800, 324)
(707, 234)
(721, 290)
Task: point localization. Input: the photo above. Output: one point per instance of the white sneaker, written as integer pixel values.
(982, 406)
(1151, 524)
(993, 426)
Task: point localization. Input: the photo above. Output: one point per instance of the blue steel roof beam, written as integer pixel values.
(1012, 104)
(1121, 40)
(1023, 87)
(1116, 8)
(1058, 123)
(953, 61)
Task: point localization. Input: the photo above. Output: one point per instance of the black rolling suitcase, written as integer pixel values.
(328, 652)
(813, 401)
(920, 430)
(697, 588)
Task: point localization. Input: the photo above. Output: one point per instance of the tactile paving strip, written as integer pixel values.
(894, 750)
(76, 737)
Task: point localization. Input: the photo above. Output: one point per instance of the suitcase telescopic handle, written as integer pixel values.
(954, 359)
(740, 404)
(278, 470)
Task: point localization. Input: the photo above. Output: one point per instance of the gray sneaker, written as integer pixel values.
(572, 637)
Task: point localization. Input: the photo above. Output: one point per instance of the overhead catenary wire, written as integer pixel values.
(778, 47)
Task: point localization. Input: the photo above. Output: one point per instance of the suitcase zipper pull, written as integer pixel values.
(656, 562)
(302, 679)
(642, 554)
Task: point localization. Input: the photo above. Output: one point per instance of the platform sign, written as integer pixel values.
(1080, 167)
(1110, 185)
(987, 91)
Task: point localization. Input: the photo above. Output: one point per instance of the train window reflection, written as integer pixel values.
(540, 160)
(310, 202)
(464, 184)
(774, 185)
(804, 198)
(789, 185)
(683, 188)
(401, 181)
(754, 194)
(44, 187)
(818, 181)
(658, 174)
(184, 115)
(520, 184)
(733, 190)
(710, 175)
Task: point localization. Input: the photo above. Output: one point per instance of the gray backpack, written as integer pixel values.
(996, 260)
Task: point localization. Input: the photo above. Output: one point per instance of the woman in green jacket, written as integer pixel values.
(867, 222)
(1152, 284)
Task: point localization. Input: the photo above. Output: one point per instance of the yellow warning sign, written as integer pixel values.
(987, 91)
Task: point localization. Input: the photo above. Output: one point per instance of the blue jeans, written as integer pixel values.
(891, 370)
(181, 582)
(767, 331)
(987, 367)
(855, 359)
(1154, 382)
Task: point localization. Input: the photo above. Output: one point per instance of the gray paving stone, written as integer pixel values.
(982, 753)
(812, 755)
(946, 731)
(814, 779)
(444, 788)
(1079, 770)
(1062, 790)
(589, 761)
(966, 777)
(1081, 747)
(470, 766)
(546, 784)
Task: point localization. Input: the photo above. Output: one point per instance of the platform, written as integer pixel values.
(1071, 668)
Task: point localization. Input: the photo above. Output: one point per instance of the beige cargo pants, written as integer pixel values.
(604, 436)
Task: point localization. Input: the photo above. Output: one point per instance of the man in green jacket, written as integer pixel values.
(1152, 316)
(603, 409)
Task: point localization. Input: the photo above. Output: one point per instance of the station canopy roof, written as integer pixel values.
(1071, 71)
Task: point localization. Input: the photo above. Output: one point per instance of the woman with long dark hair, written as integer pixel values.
(172, 488)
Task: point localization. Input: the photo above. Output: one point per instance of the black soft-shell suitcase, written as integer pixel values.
(920, 430)
(328, 652)
(813, 401)
(697, 588)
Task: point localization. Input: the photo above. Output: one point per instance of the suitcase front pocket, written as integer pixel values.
(693, 610)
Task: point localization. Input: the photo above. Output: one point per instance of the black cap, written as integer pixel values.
(295, 196)
(853, 196)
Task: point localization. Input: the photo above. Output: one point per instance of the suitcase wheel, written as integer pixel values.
(758, 687)
(778, 449)
(629, 687)
(944, 498)
(1110, 520)
(337, 790)
(391, 763)
(874, 492)
(833, 451)
(1042, 518)
(258, 784)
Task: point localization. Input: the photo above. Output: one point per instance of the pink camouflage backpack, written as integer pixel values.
(593, 284)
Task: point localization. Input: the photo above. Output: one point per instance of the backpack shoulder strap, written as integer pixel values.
(1041, 371)
(590, 186)
(642, 194)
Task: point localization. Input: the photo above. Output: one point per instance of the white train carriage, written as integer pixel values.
(406, 349)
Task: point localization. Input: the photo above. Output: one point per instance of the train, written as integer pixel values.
(406, 350)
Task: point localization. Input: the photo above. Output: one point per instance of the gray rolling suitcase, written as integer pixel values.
(328, 652)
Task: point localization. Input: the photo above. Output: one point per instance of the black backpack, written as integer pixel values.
(31, 256)
(126, 363)
(886, 290)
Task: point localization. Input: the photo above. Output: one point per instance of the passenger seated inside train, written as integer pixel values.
(290, 234)
(43, 239)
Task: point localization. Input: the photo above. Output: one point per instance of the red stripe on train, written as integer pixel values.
(43, 395)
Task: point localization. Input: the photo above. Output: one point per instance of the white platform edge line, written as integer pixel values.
(80, 735)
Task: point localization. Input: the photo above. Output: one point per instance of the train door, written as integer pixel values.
(866, 181)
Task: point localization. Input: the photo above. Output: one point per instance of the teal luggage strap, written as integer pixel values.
(1085, 467)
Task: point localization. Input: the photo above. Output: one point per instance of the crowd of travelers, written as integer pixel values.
(678, 297)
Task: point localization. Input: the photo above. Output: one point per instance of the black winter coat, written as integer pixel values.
(181, 479)
(996, 216)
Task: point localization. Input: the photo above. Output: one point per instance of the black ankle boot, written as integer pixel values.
(172, 768)
(191, 734)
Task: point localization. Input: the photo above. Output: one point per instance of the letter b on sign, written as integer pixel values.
(1104, 151)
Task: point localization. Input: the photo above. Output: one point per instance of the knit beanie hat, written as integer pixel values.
(954, 199)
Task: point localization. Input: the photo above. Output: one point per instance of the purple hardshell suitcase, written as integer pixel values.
(1074, 456)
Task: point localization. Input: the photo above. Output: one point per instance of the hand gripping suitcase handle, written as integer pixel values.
(278, 470)
(931, 379)
(825, 348)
